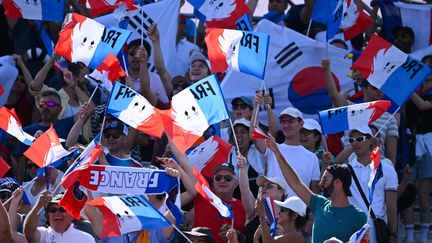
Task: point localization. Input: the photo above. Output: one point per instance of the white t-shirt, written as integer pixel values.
(48, 235)
(254, 158)
(304, 162)
(180, 64)
(389, 182)
(155, 85)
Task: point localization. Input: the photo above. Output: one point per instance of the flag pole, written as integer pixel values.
(102, 127)
(94, 92)
(142, 26)
(309, 26)
(235, 138)
(255, 115)
(124, 62)
(385, 123)
(178, 230)
(24, 187)
(53, 193)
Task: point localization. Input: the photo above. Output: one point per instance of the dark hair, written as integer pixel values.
(426, 58)
(339, 41)
(318, 142)
(137, 42)
(300, 220)
(51, 93)
(75, 68)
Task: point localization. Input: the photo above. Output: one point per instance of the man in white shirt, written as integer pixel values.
(61, 228)
(304, 162)
(385, 194)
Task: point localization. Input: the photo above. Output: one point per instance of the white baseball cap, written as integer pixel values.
(365, 129)
(242, 121)
(276, 180)
(295, 204)
(311, 124)
(291, 111)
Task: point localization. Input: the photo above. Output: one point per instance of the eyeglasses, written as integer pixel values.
(113, 135)
(239, 106)
(227, 178)
(269, 186)
(55, 209)
(5, 195)
(48, 104)
(357, 139)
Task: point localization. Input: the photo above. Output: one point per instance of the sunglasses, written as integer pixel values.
(269, 186)
(5, 195)
(357, 139)
(113, 135)
(48, 104)
(227, 178)
(239, 106)
(55, 209)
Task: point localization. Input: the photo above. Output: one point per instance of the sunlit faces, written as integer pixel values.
(309, 138)
(224, 182)
(290, 125)
(360, 143)
(270, 189)
(198, 71)
(134, 63)
(50, 108)
(115, 141)
(241, 110)
(326, 184)
(242, 135)
(59, 219)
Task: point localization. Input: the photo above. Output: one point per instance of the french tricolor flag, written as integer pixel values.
(74, 200)
(269, 208)
(390, 70)
(227, 14)
(11, 124)
(376, 171)
(354, 20)
(47, 10)
(107, 73)
(353, 116)
(357, 237)
(203, 189)
(210, 154)
(243, 51)
(99, 7)
(258, 133)
(125, 214)
(46, 149)
(193, 110)
(84, 40)
(133, 109)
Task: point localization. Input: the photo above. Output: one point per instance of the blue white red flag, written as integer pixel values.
(376, 171)
(99, 7)
(209, 154)
(354, 21)
(8, 75)
(193, 110)
(47, 10)
(258, 133)
(328, 12)
(59, 164)
(133, 109)
(74, 200)
(85, 40)
(390, 70)
(203, 189)
(357, 237)
(11, 124)
(269, 207)
(124, 214)
(225, 14)
(243, 51)
(106, 73)
(353, 116)
(46, 149)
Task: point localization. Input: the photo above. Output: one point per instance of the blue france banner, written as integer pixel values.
(334, 20)
(253, 46)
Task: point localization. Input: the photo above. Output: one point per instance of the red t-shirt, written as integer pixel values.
(206, 215)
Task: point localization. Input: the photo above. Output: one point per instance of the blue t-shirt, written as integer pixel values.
(127, 162)
(329, 221)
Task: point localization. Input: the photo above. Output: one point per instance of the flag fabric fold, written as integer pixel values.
(193, 110)
(203, 189)
(243, 51)
(74, 200)
(8, 75)
(328, 12)
(133, 109)
(46, 10)
(4, 167)
(353, 116)
(269, 206)
(228, 14)
(390, 70)
(357, 237)
(258, 133)
(84, 40)
(376, 171)
(98, 7)
(46, 149)
(107, 73)
(354, 21)
(11, 124)
(209, 154)
(124, 214)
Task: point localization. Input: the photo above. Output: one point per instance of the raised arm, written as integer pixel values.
(247, 197)
(291, 177)
(336, 98)
(37, 83)
(421, 104)
(163, 72)
(74, 133)
(259, 143)
(144, 77)
(5, 227)
(32, 220)
(14, 217)
(27, 76)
